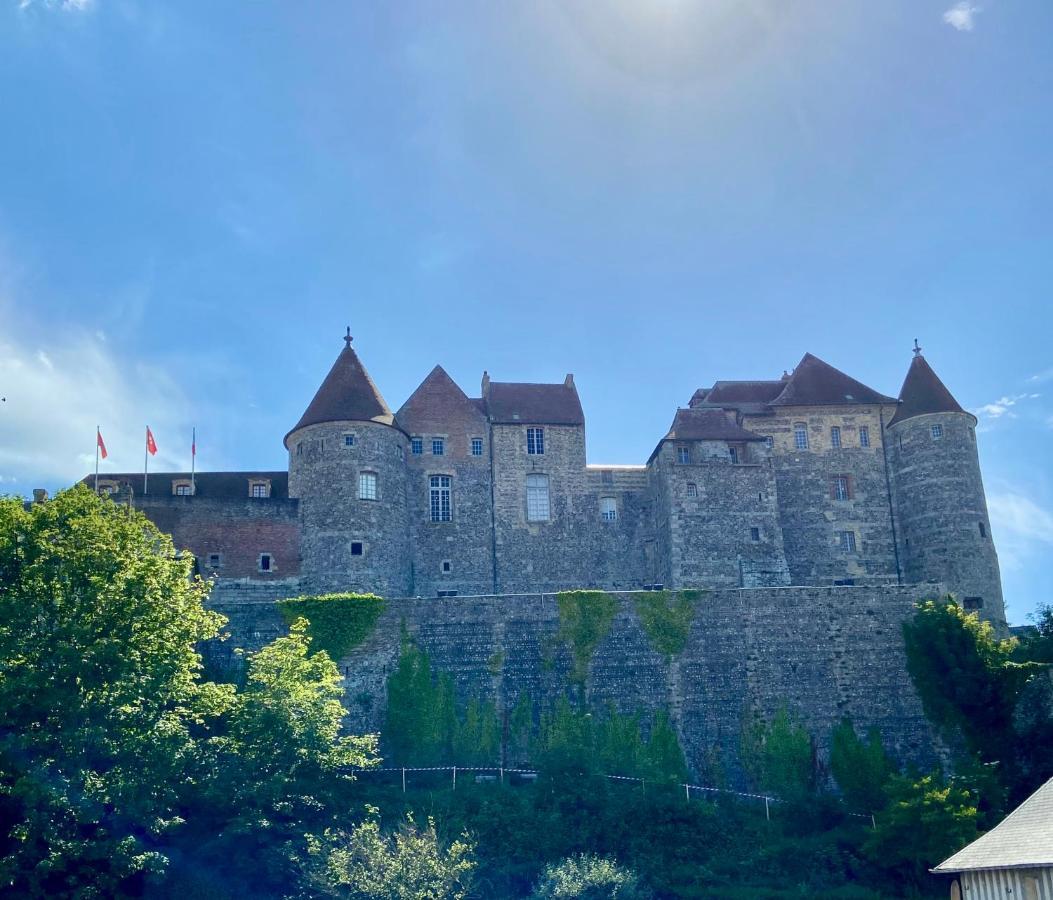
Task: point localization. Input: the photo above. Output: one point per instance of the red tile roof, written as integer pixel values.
(816, 383)
(540, 404)
(347, 395)
(923, 392)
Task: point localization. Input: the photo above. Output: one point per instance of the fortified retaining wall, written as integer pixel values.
(823, 653)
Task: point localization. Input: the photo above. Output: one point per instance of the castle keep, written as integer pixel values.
(811, 479)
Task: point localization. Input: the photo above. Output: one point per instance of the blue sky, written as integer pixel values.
(195, 198)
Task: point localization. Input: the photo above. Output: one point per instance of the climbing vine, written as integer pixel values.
(666, 617)
(338, 622)
(585, 619)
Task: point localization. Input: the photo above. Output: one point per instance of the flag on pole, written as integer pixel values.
(100, 442)
(193, 443)
(151, 444)
(193, 460)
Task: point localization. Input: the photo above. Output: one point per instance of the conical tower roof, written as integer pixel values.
(923, 393)
(347, 395)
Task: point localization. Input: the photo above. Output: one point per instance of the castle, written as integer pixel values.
(811, 479)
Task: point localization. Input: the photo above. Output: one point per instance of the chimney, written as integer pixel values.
(486, 384)
(39, 495)
(569, 381)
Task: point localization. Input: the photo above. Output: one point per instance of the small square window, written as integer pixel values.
(477, 446)
(356, 548)
(259, 489)
(972, 604)
(535, 441)
(349, 440)
(438, 447)
(182, 490)
(607, 476)
(416, 446)
(835, 437)
(848, 541)
(864, 436)
(447, 567)
(683, 455)
(754, 534)
(265, 562)
(215, 560)
(692, 489)
(937, 432)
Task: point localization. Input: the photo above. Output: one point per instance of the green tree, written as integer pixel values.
(925, 821)
(586, 877)
(779, 757)
(409, 864)
(860, 768)
(100, 688)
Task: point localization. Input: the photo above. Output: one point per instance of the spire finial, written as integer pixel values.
(917, 348)
(347, 337)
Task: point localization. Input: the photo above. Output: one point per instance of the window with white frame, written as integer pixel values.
(182, 488)
(537, 498)
(438, 447)
(416, 446)
(864, 436)
(835, 437)
(536, 441)
(841, 487)
(800, 436)
(477, 446)
(608, 509)
(259, 489)
(440, 487)
(367, 485)
(692, 489)
(937, 432)
(848, 541)
(349, 440)
(683, 454)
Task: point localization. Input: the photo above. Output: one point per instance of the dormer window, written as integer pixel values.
(259, 490)
(182, 488)
(535, 441)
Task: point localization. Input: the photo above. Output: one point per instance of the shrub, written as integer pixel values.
(589, 878)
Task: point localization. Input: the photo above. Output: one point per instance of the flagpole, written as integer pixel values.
(146, 456)
(97, 459)
(193, 460)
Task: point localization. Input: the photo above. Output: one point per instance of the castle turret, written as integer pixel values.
(347, 468)
(943, 530)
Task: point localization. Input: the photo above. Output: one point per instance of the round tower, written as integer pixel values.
(943, 530)
(347, 468)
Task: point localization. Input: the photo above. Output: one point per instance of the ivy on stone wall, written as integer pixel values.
(585, 619)
(666, 617)
(338, 622)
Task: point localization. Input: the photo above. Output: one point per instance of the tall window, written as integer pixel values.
(608, 509)
(835, 437)
(416, 446)
(755, 534)
(841, 487)
(983, 530)
(440, 497)
(477, 446)
(535, 441)
(438, 446)
(800, 436)
(937, 432)
(683, 454)
(769, 442)
(537, 498)
(848, 541)
(733, 452)
(367, 486)
(265, 562)
(692, 489)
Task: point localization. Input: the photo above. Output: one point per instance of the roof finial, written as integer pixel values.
(348, 338)
(917, 349)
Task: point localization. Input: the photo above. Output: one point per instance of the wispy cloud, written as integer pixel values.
(961, 16)
(69, 5)
(1041, 377)
(1021, 526)
(1002, 407)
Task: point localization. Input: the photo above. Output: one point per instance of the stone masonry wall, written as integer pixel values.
(824, 653)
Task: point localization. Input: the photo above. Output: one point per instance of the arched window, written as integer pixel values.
(692, 489)
(439, 490)
(367, 486)
(537, 498)
(800, 436)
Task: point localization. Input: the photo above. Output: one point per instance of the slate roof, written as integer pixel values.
(347, 395)
(707, 425)
(437, 402)
(736, 392)
(816, 383)
(541, 404)
(923, 392)
(1023, 839)
(213, 485)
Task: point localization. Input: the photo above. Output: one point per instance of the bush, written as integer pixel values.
(589, 878)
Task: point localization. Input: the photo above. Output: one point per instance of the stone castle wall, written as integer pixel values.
(824, 653)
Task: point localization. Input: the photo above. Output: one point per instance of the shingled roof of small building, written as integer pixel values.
(541, 404)
(817, 383)
(707, 425)
(347, 394)
(923, 393)
(210, 485)
(1024, 839)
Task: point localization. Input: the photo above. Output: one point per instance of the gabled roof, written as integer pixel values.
(816, 383)
(437, 401)
(707, 425)
(541, 404)
(347, 395)
(736, 392)
(923, 393)
(211, 485)
(1023, 839)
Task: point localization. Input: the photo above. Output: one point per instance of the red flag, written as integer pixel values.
(151, 444)
(193, 445)
(100, 442)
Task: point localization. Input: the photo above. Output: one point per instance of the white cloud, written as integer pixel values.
(1020, 525)
(960, 16)
(72, 5)
(1040, 377)
(55, 398)
(1002, 407)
